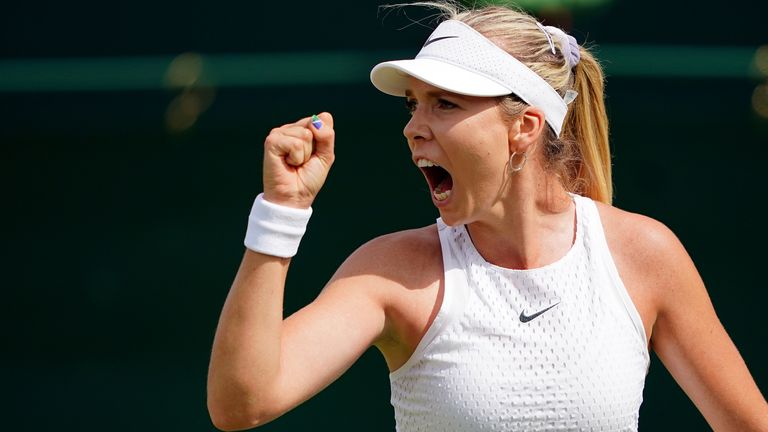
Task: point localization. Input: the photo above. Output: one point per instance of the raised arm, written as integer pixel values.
(262, 366)
(693, 345)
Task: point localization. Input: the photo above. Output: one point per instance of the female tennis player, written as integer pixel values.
(530, 305)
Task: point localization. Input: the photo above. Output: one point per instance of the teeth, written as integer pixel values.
(441, 196)
(424, 163)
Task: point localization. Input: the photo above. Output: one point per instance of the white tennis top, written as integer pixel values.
(556, 348)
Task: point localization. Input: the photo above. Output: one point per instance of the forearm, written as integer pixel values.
(715, 377)
(246, 351)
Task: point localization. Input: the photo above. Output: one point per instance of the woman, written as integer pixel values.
(530, 305)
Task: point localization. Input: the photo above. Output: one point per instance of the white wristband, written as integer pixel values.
(274, 229)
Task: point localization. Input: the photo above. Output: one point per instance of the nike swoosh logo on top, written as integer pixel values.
(437, 39)
(525, 318)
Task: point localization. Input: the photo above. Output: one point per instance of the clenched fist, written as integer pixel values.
(297, 158)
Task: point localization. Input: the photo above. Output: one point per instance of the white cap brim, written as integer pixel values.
(392, 78)
(458, 59)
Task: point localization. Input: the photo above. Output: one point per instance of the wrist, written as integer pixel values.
(275, 229)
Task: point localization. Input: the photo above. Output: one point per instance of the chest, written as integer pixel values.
(527, 355)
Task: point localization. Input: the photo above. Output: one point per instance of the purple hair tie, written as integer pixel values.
(568, 45)
(549, 38)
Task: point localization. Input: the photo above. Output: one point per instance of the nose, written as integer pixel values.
(417, 129)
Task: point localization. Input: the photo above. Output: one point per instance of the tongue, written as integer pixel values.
(445, 185)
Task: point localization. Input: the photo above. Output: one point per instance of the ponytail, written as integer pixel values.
(586, 125)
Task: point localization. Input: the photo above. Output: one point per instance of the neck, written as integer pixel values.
(532, 224)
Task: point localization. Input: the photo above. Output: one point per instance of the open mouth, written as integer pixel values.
(440, 181)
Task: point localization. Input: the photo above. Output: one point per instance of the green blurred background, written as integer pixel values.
(130, 149)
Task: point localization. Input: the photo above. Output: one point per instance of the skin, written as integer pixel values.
(388, 292)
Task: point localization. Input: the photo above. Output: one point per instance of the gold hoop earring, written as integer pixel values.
(515, 168)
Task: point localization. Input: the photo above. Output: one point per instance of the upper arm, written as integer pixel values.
(692, 343)
(322, 340)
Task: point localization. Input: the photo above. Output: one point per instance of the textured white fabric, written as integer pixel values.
(274, 229)
(459, 59)
(579, 366)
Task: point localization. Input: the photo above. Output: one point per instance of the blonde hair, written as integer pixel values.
(581, 157)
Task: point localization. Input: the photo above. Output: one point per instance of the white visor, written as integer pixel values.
(458, 59)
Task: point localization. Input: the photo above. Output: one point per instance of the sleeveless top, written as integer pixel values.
(555, 348)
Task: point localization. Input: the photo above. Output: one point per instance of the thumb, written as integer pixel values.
(324, 135)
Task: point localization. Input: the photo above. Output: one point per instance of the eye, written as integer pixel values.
(445, 104)
(410, 105)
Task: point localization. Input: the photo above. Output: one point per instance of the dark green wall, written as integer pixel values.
(120, 239)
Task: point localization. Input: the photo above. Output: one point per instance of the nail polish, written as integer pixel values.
(316, 122)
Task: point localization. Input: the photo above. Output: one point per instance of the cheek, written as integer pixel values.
(482, 172)
(479, 152)
(490, 137)
(489, 157)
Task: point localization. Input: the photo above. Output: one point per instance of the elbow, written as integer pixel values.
(235, 419)
(227, 422)
(230, 424)
(224, 423)
(241, 412)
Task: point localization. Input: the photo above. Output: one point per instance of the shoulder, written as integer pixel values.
(413, 241)
(639, 235)
(396, 257)
(647, 251)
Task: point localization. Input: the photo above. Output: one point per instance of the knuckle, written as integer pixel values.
(273, 136)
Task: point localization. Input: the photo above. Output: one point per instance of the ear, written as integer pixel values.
(526, 130)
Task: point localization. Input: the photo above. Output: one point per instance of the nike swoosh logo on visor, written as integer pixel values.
(438, 39)
(525, 318)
